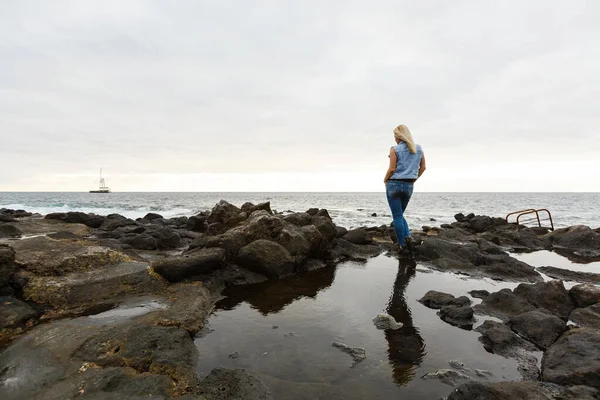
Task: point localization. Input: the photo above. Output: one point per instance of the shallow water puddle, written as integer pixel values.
(282, 332)
(130, 309)
(545, 258)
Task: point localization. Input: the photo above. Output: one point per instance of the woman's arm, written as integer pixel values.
(422, 167)
(392, 166)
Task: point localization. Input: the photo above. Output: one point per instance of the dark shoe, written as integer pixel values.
(411, 244)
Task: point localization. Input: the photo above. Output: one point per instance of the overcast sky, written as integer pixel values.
(298, 95)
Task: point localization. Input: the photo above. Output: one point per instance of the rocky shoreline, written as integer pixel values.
(62, 266)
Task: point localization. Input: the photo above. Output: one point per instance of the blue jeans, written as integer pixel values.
(398, 195)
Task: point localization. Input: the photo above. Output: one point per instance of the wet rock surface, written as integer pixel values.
(574, 359)
(499, 339)
(539, 327)
(551, 296)
(576, 276)
(458, 316)
(503, 304)
(434, 299)
(584, 295)
(526, 390)
(588, 317)
(225, 384)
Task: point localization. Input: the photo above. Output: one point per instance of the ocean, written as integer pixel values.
(347, 209)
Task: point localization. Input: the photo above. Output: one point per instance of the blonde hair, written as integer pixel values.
(402, 133)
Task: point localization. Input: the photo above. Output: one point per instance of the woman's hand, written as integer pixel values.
(392, 166)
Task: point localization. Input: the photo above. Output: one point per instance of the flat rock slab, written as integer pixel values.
(503, 304)
(199, 262)
(48, 257)
(568, 275)
(524, 390)
(146, 348)
(574, 359)
(31, 226)
(227, 384)
(93, 286)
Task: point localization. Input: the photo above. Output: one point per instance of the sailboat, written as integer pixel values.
(103, 188)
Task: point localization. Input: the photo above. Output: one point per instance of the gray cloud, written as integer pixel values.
(227, 87)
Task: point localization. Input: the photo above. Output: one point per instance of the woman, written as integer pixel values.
(407, 164)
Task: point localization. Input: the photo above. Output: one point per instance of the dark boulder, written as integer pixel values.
(232, 241)
(434, 299)
(9, 231)
(344, 250)
(292, 238)
(114, 221)
(249, 208)
(479, 294)
(323, 213)
(481, 223)
(574, 359)
(152, 216)
(196, 223)
(166, 238)
(262, 225)
(340, 231)
(551, 296)
(312, 211)
(177, 222)
(267, 258)
(325, 226)
(14, 313)
(503, 304)
(225, 214)
(584, 295)
(358, 236)
(460, 217)
(140, 241)
(453, 254)
(199, 262)
(577, 237)
(76, 217)
(539, 327)
(588, 317)
(299, 219)
(457, 316)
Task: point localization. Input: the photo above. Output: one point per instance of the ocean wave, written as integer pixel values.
(126, 211)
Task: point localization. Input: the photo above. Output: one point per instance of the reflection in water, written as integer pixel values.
(274, 295)
(406, 347)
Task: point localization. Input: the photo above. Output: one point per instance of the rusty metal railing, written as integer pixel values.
(537, 218)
